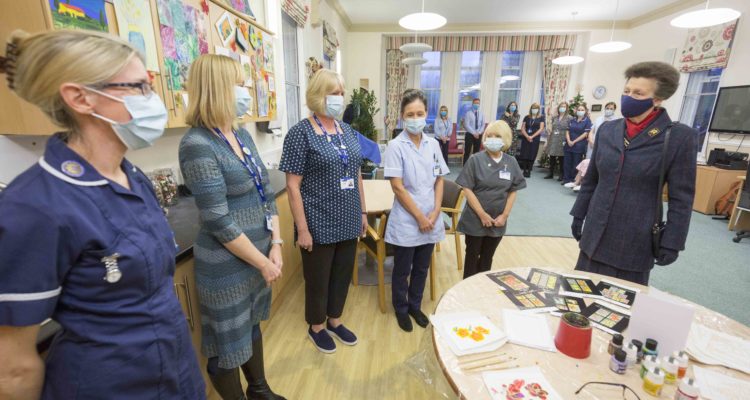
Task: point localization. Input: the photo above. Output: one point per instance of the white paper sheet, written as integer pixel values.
(499, 382)
(529, 330)
(718, 348)
(662, 318)
(717, 386)
(444, 322)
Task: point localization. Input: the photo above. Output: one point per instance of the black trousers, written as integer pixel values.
(444, 150)
(588, 265)
(479, 253)
(471, 145)
(327, 270)
(570, 163)
(554, 163)
(410, 267)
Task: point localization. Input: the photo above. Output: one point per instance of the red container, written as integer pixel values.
(573, 337)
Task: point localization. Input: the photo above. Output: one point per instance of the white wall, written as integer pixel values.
(365, 58)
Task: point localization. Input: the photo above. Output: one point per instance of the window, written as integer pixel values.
(291, 70)
(510, 80)
(471, 75)
(698, 103)
(430, 84)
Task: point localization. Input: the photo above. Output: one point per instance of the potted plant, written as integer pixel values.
(365, 106)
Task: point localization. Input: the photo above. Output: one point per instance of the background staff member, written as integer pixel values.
(511, 117)
(576, 142)
(474, 125)
(415, 169)
(238, 249)
(82, 237)
(322, 160)
(443, 131)
(531, 130)
(490, 180)
(556, 141)
(609, 115)
(619, 192)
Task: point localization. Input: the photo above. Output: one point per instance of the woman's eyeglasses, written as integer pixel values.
(144, 87)
(624, 388)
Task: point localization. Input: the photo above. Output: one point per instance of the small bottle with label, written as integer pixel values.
(654, 382)
(631, 354)
(618, 363)
(615, 343)
(684, 360)
(687, 390)
(638, 345)
(649, 348)
(670, 365)
(649, 362)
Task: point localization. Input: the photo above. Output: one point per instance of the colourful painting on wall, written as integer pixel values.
(242, 6)
(135, 25)
(184, 37)
(79, 14)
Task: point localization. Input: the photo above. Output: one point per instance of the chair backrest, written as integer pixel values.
(453, 141)
(451, 194)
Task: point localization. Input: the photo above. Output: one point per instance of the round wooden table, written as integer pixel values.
(564, 373)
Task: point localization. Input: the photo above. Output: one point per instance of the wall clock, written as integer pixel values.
(599, 92)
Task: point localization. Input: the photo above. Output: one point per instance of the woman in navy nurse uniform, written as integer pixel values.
(82, 237)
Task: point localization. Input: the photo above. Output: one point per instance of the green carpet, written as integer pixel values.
(713, 271)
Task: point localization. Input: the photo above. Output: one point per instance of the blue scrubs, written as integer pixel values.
(61, 224)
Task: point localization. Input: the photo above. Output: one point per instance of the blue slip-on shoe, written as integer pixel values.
(344, 335)
(322, 341)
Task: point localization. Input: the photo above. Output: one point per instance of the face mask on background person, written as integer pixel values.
(242, 100)
(512, 108)
(562, 110)
(632, 107)
(414, 126)
(148, 119)
(580, 113)
(334, 106)
(493, 144)
(534, 111)
(475, 106)
(443, 113)
(609, 112)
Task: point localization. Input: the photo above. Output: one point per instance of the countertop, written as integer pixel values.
(185, 222)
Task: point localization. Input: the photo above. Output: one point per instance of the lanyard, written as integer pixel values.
(341, 148)
(255, 171)
(445, 122)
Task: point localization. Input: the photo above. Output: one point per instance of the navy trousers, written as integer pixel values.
(570, 163)
(410, 267)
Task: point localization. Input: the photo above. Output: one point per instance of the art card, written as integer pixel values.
(225, 27)
(519, 383)
(135, 25)
(272, 105)
(183, 37)
(242, 6)
(508, 280)
(261, 89)
(241, 37)
(253, 37)
(247, 70)
(579, 286)
(268, 55)
(565, 304)
(79, 14)
(617, 294)
(544, 280)
(532, 300)
(607, 319)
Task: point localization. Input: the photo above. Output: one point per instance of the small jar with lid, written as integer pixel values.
(653, 382)
(618, 363)
(670, 365)
(687, 390)
(615, 343)
(683, 360)
(638, 345)
(631, 354)
(649, 362)
(650, 348)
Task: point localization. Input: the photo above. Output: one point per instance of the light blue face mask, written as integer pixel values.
(580, 113)
(562, 110)
(242, 100)
(608, 113)
(148, 119)
(334, 106)
(475, 106)
(414, 126)
(494, 144)
(512, 108)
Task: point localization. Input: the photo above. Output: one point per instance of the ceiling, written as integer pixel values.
(499, 11)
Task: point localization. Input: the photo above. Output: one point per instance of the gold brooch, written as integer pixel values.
(653, 132)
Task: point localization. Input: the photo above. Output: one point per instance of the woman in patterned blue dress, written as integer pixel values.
(238, 249)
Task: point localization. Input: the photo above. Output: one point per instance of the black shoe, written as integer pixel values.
(559, 179)
(255, 374)
(419, 318)
(404, 322)
(549, 176)
(527, 174)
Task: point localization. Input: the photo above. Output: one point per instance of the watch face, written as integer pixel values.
(600, 92)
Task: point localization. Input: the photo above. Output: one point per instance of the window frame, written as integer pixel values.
(472, 94)
(432, 92)
(518, 69)
(296, 83)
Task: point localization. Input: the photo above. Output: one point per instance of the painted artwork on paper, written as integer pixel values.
(225, 28)
(519, 383)
(184, 38)
(242, 6)
(135, 25)
(79, 14)
(261, 90)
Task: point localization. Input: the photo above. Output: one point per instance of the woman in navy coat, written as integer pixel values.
(618, 198)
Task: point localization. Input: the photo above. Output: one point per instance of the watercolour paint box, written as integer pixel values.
(544, 280)
(579, 286)
(531, 300)
(617, 294)
(508, 280)
(607, 317)
(565, 304)
(519, 383)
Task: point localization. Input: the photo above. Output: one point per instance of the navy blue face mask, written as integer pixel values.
(632, 107)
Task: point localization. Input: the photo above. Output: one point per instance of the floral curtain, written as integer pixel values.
(707, 48)
(395, 81)
(297, 10)
(330, 42)
(556, 79)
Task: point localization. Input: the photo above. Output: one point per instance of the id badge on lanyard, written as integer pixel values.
(347, 182)
(504, 174)
(436, 168)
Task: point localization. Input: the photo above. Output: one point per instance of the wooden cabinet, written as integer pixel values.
(290, 253)
(710, 184)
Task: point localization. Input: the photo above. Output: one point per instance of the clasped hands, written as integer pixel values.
(489, 222)
(427, 222)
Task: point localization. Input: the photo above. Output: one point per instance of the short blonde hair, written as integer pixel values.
(322, 83)
(502, 129)
(37, 65)
(210, 87)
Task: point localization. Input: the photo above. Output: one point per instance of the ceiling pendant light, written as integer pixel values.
(611, 46)
(415, 47)
(422, 21)
(568, 60)
(705, 17)
(414, 60)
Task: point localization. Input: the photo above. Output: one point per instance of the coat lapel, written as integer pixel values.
(652, 132)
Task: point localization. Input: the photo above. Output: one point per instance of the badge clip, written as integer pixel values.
(113, 270)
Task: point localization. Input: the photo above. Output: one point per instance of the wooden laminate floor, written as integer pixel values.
(378, 366)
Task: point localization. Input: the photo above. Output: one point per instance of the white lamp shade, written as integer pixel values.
(422, 21)
(610, 47)
(567, 60)
(414, 60)
(707, 17)
(415, 47)
(510, 77)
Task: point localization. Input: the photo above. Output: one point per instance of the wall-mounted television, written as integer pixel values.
(732, 110)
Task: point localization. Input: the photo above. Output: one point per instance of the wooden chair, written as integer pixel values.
(453, 197)
(375, 245)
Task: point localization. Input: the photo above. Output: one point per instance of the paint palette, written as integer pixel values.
(579, 286)
(614, 293)
(565, 304)
(544, 280)
(534, 300)
(510, 281)
(607, 319)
